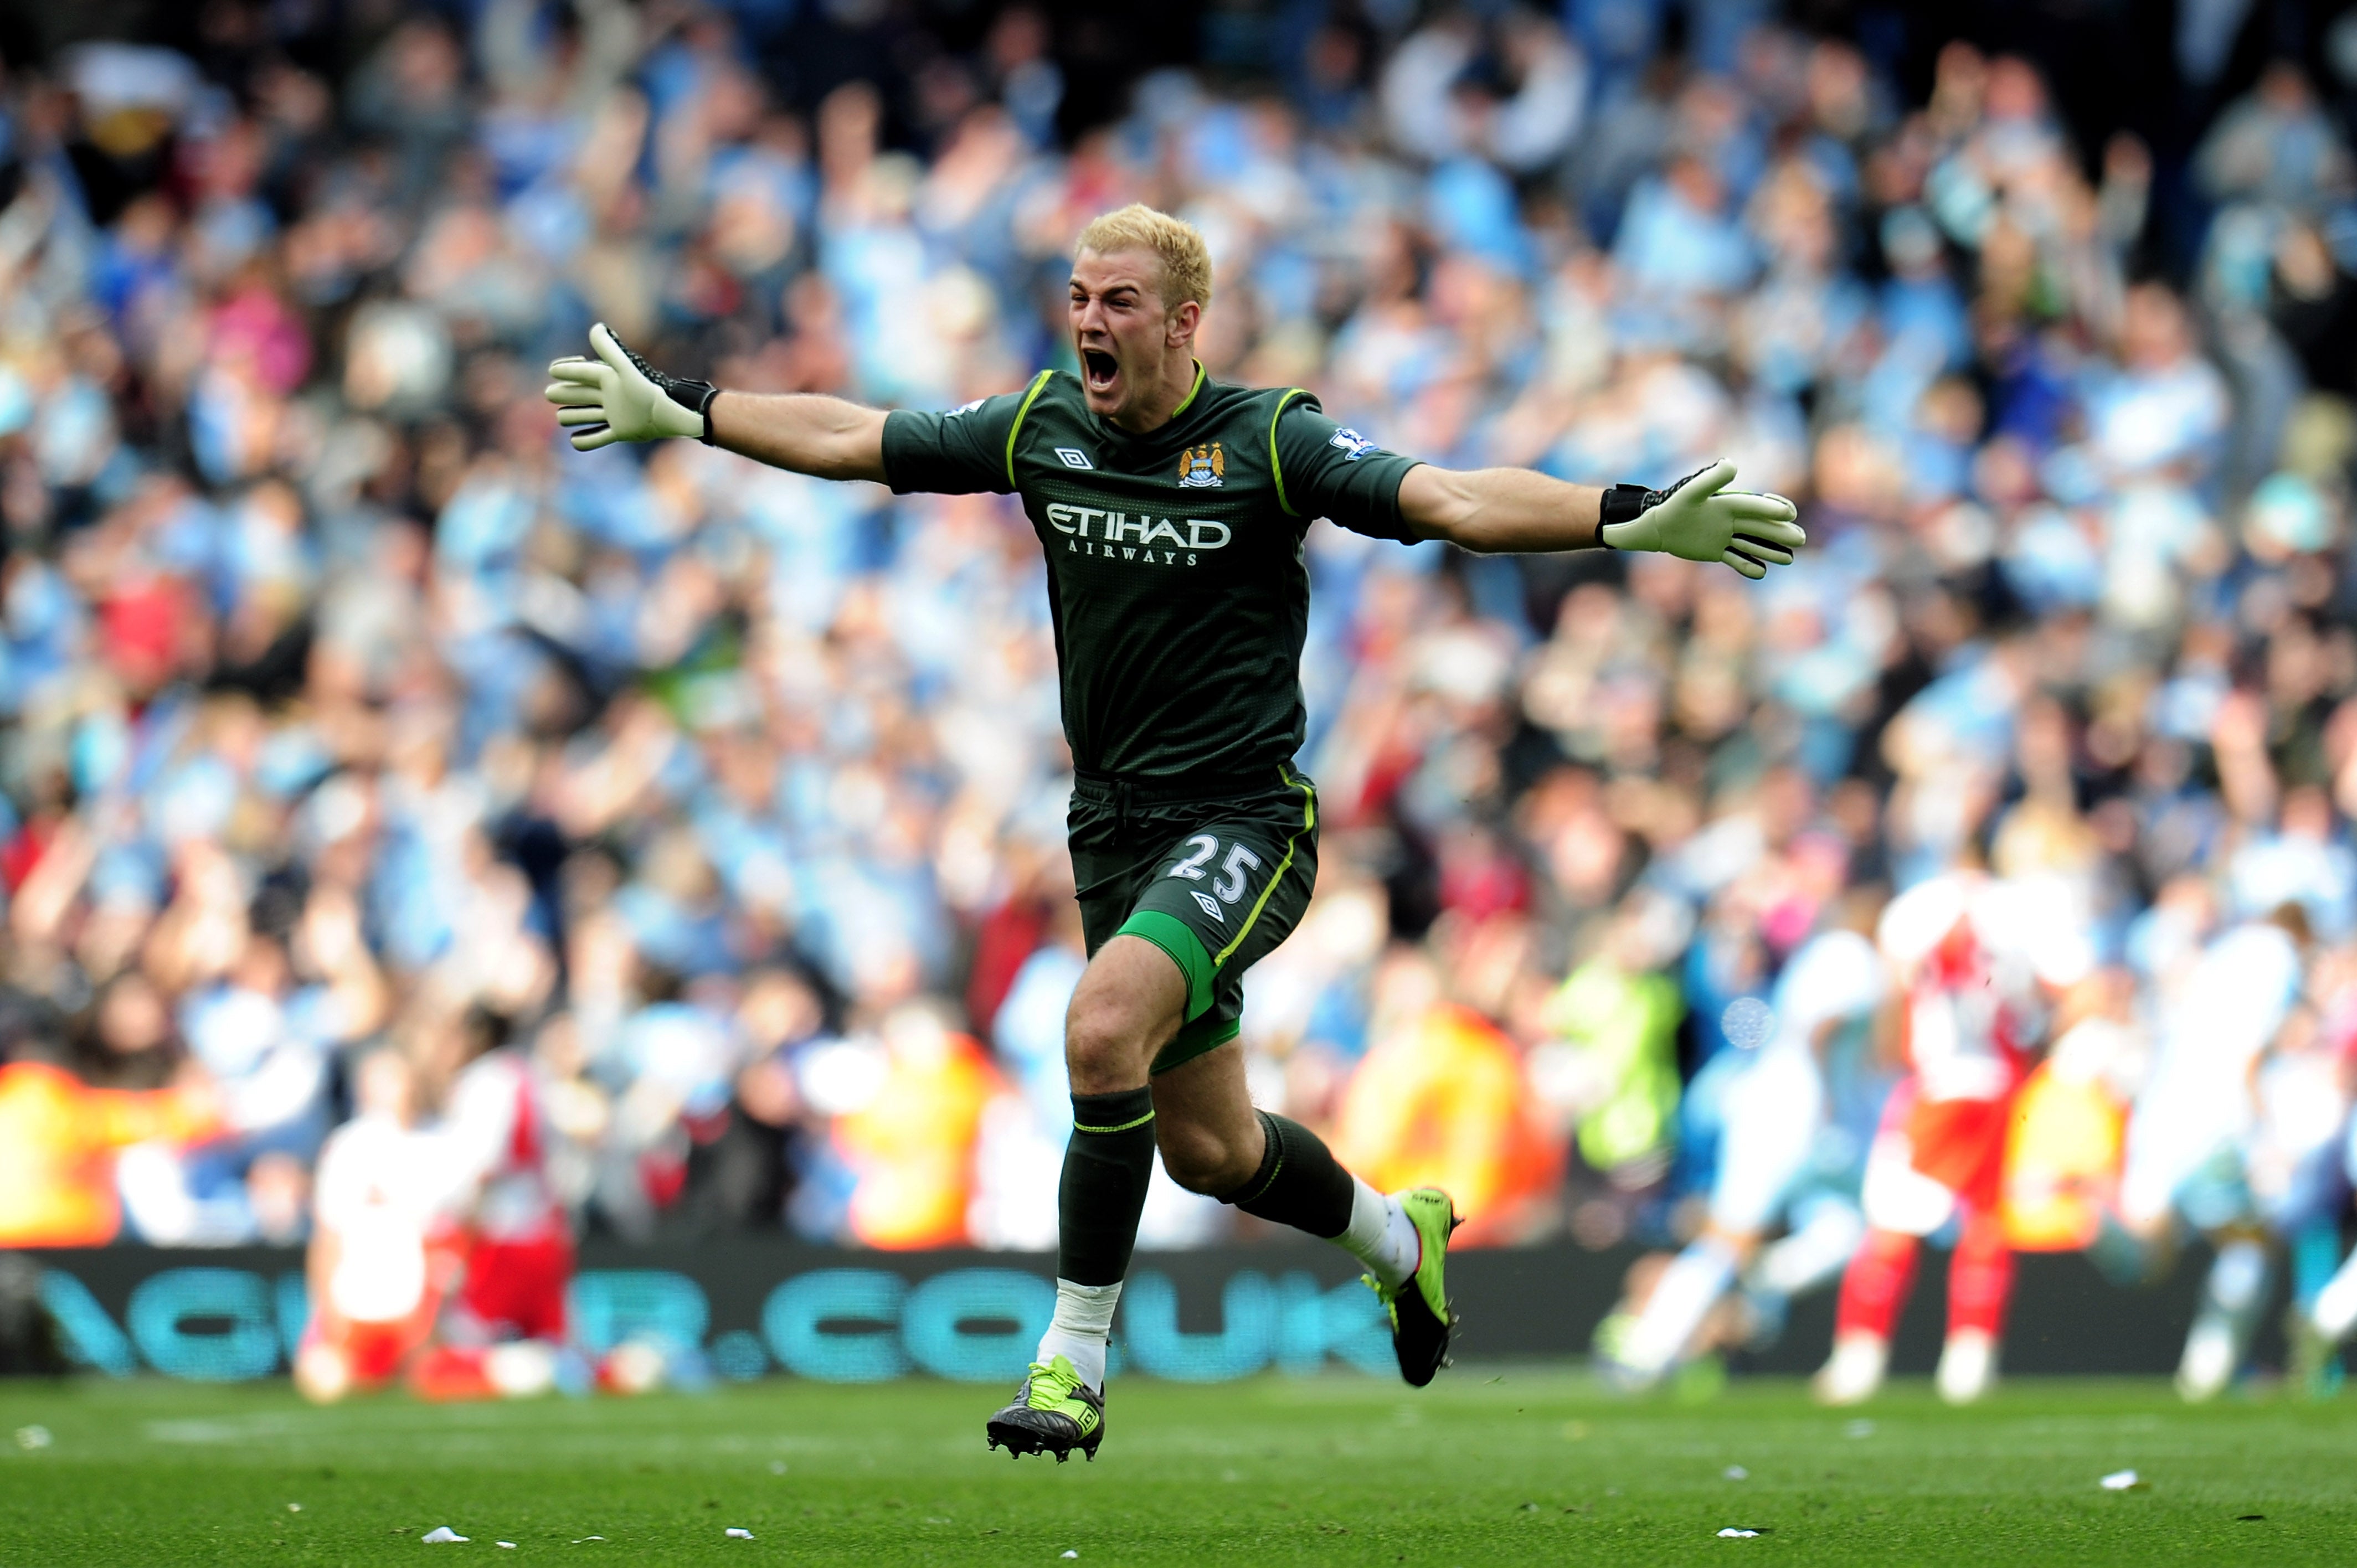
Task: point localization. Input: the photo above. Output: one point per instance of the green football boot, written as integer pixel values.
(1418, 1305)
(1053, 1412)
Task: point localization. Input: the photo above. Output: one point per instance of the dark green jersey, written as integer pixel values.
(1174, 572)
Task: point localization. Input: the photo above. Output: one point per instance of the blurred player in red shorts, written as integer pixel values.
(505, 1325)
(1968, 955)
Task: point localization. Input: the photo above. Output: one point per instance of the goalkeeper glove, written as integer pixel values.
(1699, 519)
(617, 396)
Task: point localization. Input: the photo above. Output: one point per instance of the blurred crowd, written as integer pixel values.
(345, 709)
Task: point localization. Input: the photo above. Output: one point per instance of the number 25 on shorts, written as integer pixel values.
(1230, 884)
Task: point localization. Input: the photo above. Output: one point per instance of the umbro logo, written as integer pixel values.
(1074, 459)
(1210, 906)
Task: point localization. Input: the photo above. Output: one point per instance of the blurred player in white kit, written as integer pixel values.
(440, 1253)
(2197, 1136)
(379, 1239)
(1973, 957)
(1776, 1113)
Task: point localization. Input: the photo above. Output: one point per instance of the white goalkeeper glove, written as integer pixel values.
(617, 396)
(1699, 519)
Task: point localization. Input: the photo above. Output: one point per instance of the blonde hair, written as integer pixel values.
(1185, 260)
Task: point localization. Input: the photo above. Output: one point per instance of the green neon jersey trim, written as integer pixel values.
(1276, 469)
(1185, 402)
(1039, 385)
(1309, 822)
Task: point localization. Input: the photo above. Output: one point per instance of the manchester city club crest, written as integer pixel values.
(1202, 468)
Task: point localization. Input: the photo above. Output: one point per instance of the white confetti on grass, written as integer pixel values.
(1736, 1473)
(294, 1508)
(442, 1535)
(736, 1534)
(2123, 1481)
(1071, 1555)
(30, 1438)
(509, 1545)
(1734, 1533)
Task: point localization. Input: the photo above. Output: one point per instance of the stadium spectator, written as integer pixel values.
(910, 1145)
(1611, 1066)
(57, 1184)
(1440, 1101)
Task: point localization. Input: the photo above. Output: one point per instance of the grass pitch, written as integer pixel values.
(1491, 1466)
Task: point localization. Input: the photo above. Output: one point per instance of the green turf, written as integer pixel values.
(1487, 1466)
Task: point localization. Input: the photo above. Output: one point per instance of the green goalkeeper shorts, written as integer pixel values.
(1215, 880)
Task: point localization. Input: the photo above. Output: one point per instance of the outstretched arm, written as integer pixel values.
(1500, 510)
(806, 432)
(1492, 511)
(617, 396)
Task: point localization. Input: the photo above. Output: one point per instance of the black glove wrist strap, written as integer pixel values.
(1625, 503)
(1621, 503)
(696, 398)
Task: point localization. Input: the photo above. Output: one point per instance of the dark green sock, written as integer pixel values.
(1300, 1182)
(1106, 1168)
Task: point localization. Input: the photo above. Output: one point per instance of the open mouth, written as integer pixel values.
(1099, 369)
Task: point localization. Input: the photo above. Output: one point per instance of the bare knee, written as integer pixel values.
(1128, 1002)
(1214, 1161)
(1104, 1044)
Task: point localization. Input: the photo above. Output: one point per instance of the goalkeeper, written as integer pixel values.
(1172, 508)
